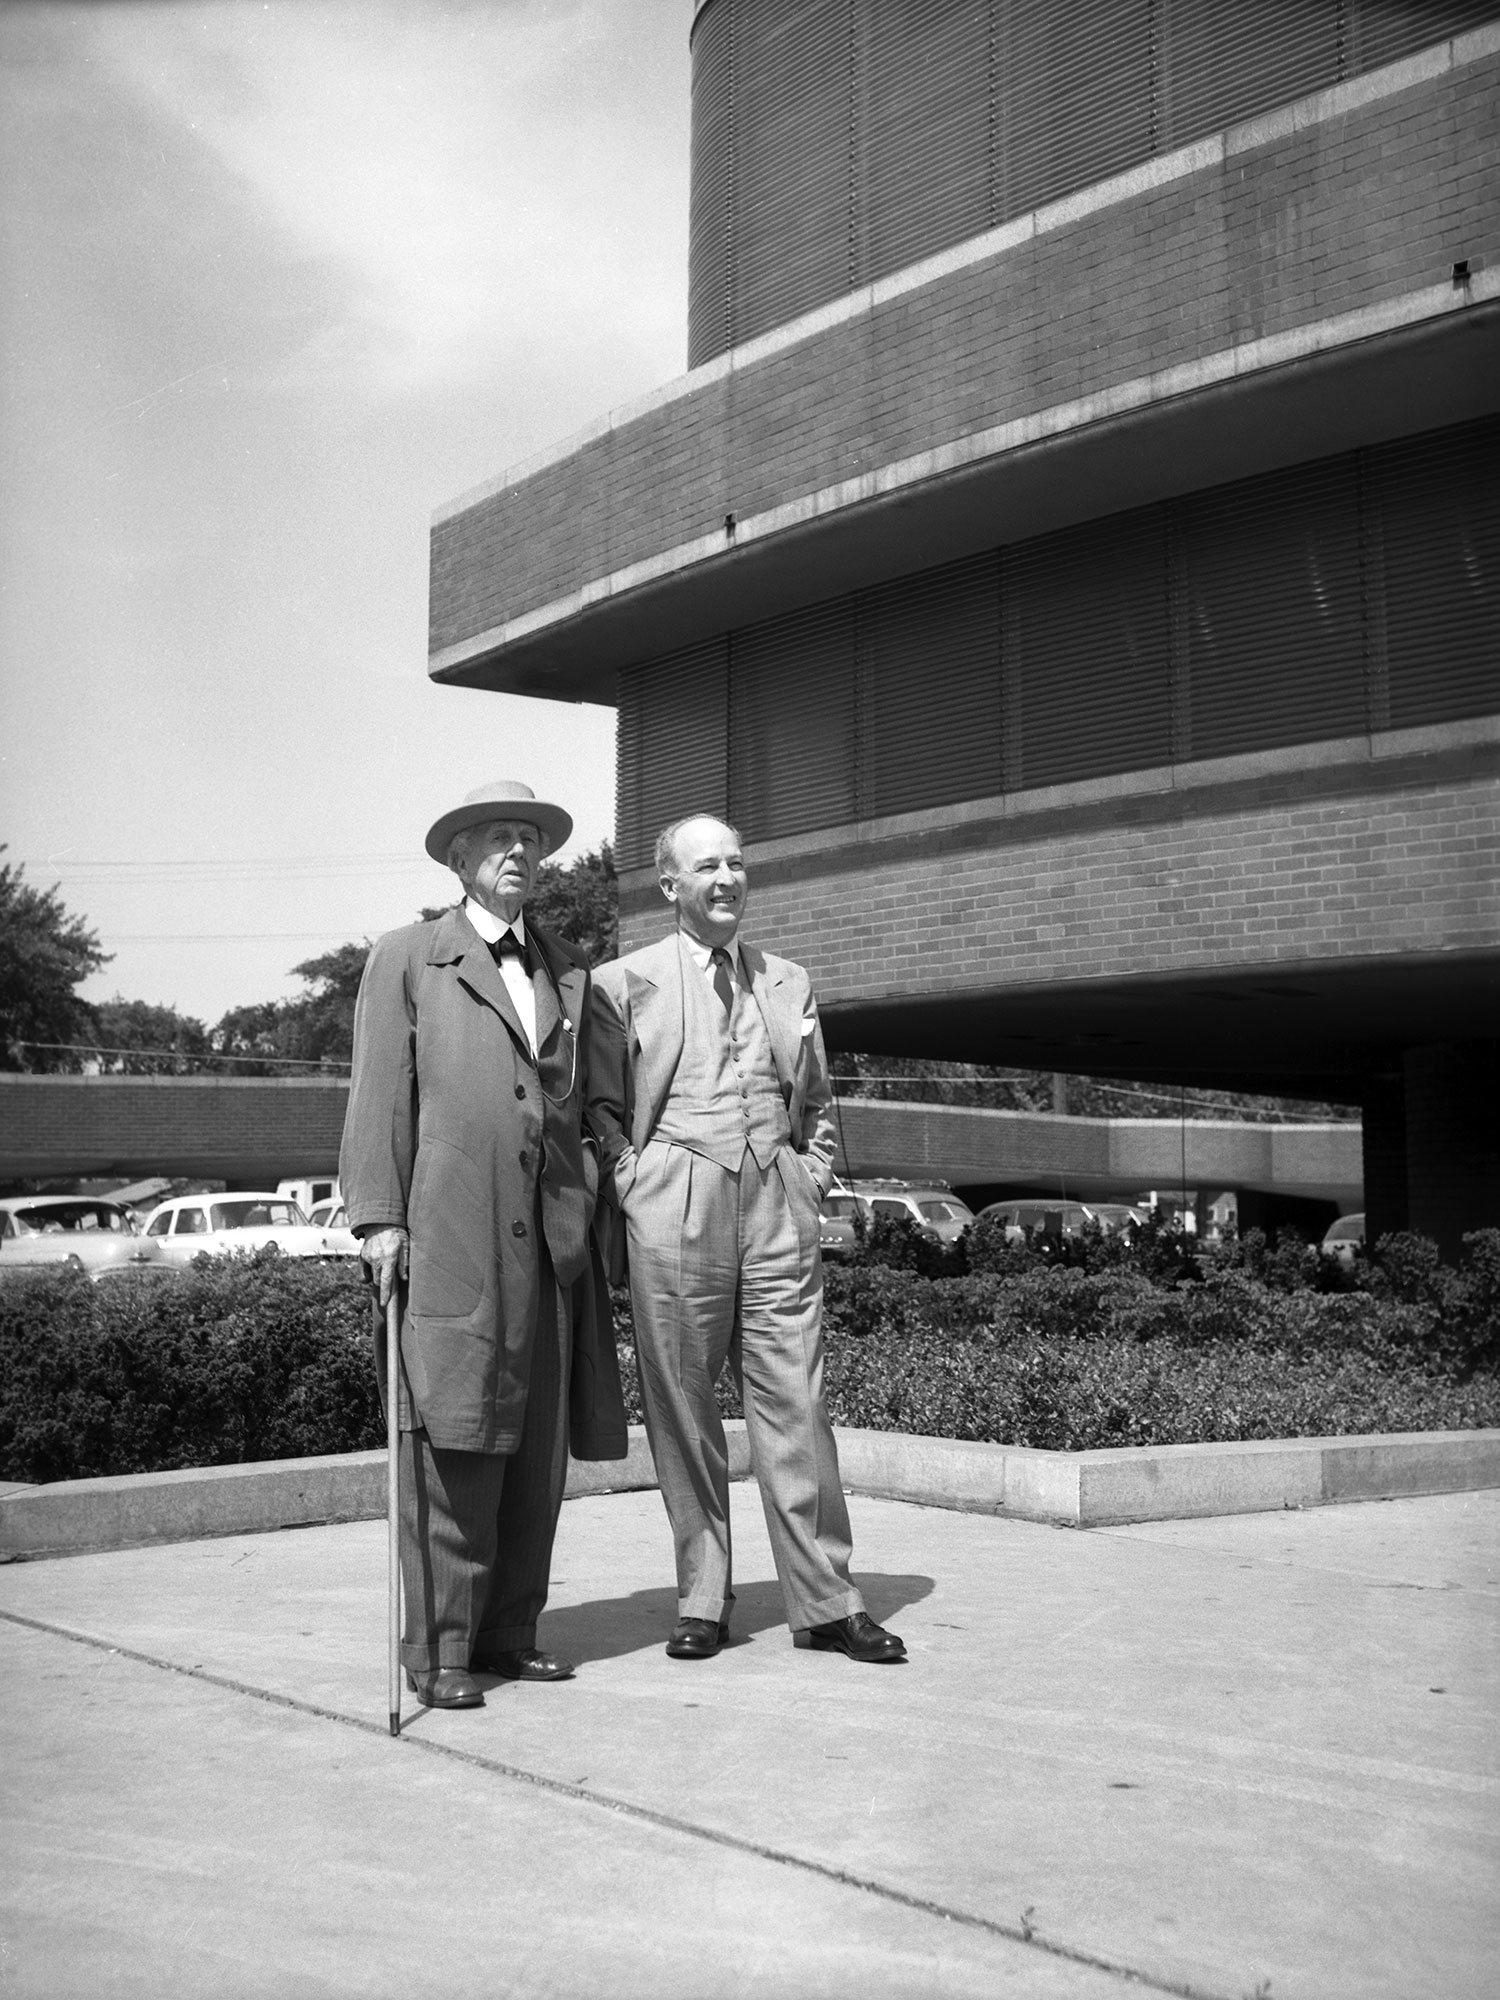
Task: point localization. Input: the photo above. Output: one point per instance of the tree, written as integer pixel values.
(581, 903)
(325, 1018)
(45, 955)
(317, 1027)
(137, 1039)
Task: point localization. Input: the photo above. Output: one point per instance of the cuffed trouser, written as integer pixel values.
(726, 1265)
(477, 1527)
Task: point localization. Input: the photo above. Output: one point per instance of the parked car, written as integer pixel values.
(839, 1226)
(99, 1237)
(1343, 1238)
(931, 1205)
(1053, 1216)
(311, 1192)
(221, 1224)
(333, 1218)
(1113, 1216)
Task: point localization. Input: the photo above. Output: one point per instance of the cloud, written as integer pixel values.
(471, 171)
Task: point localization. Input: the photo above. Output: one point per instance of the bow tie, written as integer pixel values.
(508, 945)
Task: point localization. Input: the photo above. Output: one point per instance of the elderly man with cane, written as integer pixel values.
(467, 1176)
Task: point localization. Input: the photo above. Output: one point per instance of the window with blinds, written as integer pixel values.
(1272, 611)
(836, 141)
(928, 651)
(1438, 506)
(792, 722)
(1358, 593)
(671, 745)
(1087, 651)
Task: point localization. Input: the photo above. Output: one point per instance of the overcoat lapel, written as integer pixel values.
(559, 999)
(456, 943)
(656, 1010)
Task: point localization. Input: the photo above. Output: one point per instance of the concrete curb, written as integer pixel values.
(1078, 1489)
(1088, 1489)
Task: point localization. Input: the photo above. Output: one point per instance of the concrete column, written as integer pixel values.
(1384, 1127)
(1453, 1140)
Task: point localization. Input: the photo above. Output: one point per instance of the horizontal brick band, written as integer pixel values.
(1306, 222)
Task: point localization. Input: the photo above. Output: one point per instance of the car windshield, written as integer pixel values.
(843, 1206)
(69, 1218)
(943, 1211)
(254, 1212)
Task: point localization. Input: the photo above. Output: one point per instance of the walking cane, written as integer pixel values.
(393, 1499)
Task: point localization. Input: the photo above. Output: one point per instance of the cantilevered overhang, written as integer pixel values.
(1435, 362)
(920, 420)
(1317, 1029)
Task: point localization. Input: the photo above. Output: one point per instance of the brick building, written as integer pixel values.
(1073, 556)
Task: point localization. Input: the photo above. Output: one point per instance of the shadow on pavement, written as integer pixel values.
(605, 1628)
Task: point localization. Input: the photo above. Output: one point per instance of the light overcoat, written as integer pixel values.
(636, 1045)
(457, 1134)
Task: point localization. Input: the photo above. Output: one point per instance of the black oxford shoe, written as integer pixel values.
(445, 1687)
(858, 1636)
(696, 1639)
(524, 1664)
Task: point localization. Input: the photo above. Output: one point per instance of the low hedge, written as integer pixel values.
(232, 1361)
(265, 1358)
(1071, 1360)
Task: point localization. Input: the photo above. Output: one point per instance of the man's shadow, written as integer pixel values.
(607, 1628)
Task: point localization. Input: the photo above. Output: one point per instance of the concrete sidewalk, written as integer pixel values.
(1226, 1757)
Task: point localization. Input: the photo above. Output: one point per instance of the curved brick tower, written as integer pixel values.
(1073, 556)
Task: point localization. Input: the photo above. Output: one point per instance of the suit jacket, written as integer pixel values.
(453, 1132)
(637, 1040)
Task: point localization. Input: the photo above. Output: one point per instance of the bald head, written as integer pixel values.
(702, 874)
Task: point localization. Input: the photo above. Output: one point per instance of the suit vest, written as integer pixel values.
(725, 1095)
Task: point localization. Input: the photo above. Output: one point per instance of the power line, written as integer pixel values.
(311, 862)
(241, 937)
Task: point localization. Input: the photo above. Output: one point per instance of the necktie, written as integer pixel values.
(723, 984)
(508, 945)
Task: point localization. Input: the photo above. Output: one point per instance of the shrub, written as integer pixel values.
(1066, 1359)
(270, 1358)
(234, 1360)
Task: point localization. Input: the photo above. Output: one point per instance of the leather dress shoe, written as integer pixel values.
(524, 1664)
(858, 1636)
(445, 1687)
(697, 1638)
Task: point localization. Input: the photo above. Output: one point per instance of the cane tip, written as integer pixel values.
(395, 1722)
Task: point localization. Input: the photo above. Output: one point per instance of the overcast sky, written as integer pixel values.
(275, 281)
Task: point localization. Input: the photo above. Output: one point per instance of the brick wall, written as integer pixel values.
(1452, 1119)
(1299, 220)
(1256, 874)
(220, 1128)
(263, 1132)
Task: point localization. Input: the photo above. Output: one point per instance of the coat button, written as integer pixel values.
(525, 1162)
(520, 1090)
(518, 1229)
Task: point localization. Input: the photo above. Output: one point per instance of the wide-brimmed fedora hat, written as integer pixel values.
(501, 798)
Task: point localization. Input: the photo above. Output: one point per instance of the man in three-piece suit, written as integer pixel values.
(710, 1100)
(466, 1173)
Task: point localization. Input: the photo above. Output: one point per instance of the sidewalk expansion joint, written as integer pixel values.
(1019, 1933)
